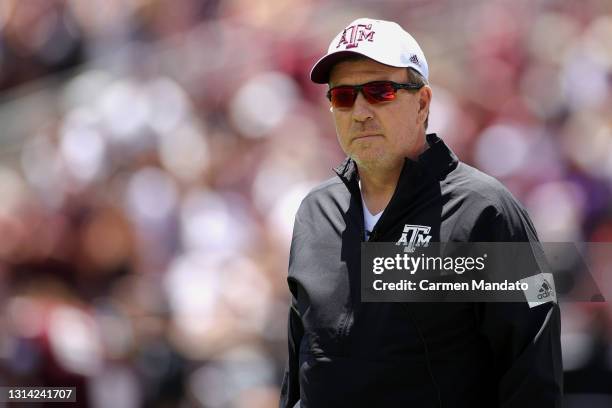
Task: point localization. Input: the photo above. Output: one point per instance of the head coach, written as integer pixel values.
(345, 353)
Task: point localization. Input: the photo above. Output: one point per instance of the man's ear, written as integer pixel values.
(425, 95)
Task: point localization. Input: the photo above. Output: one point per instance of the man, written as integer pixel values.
(345, 353)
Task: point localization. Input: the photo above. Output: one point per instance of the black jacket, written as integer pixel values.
(345, 353)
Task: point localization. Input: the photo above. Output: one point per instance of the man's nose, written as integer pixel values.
(362, 110)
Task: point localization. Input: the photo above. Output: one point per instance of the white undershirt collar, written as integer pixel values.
(369, 219)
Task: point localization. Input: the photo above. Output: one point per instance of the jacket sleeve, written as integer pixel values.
(290, 389)
(525, 340)
(526, 349)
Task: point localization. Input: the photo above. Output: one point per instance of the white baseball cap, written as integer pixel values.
(383, 41)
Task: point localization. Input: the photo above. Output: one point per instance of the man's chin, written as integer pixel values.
(370, 160)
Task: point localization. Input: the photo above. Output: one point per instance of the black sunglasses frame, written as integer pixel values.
(359, 88)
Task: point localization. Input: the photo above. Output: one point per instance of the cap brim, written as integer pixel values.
(320, 71)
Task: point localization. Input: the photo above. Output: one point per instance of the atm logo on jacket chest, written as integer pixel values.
(414, 236)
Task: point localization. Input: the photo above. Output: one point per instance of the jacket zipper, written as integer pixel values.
(349, 316)
(344, 328)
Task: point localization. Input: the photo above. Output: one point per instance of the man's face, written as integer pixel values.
(383, 134)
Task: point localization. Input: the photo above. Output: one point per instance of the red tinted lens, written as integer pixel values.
(343, 97)
(379, 92)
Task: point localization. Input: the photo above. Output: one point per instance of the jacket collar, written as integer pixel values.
(438, 160)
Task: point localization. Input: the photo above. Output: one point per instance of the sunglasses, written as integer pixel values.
(344, 96)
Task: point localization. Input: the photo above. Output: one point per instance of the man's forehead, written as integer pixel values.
(365, 67)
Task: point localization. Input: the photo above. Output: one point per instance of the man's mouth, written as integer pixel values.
(367, 135)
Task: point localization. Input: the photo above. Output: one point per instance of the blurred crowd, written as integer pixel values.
(153, 154)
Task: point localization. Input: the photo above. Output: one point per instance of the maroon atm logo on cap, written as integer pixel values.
(356, 34)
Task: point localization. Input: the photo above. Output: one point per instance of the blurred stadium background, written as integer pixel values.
(153, 152)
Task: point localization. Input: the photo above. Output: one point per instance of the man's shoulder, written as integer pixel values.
(324, 195)
(323, 200)
(475, 185)
(327, 188)
(502, 217)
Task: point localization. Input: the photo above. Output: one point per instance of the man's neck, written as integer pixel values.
(378, 183)
(378, 186)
